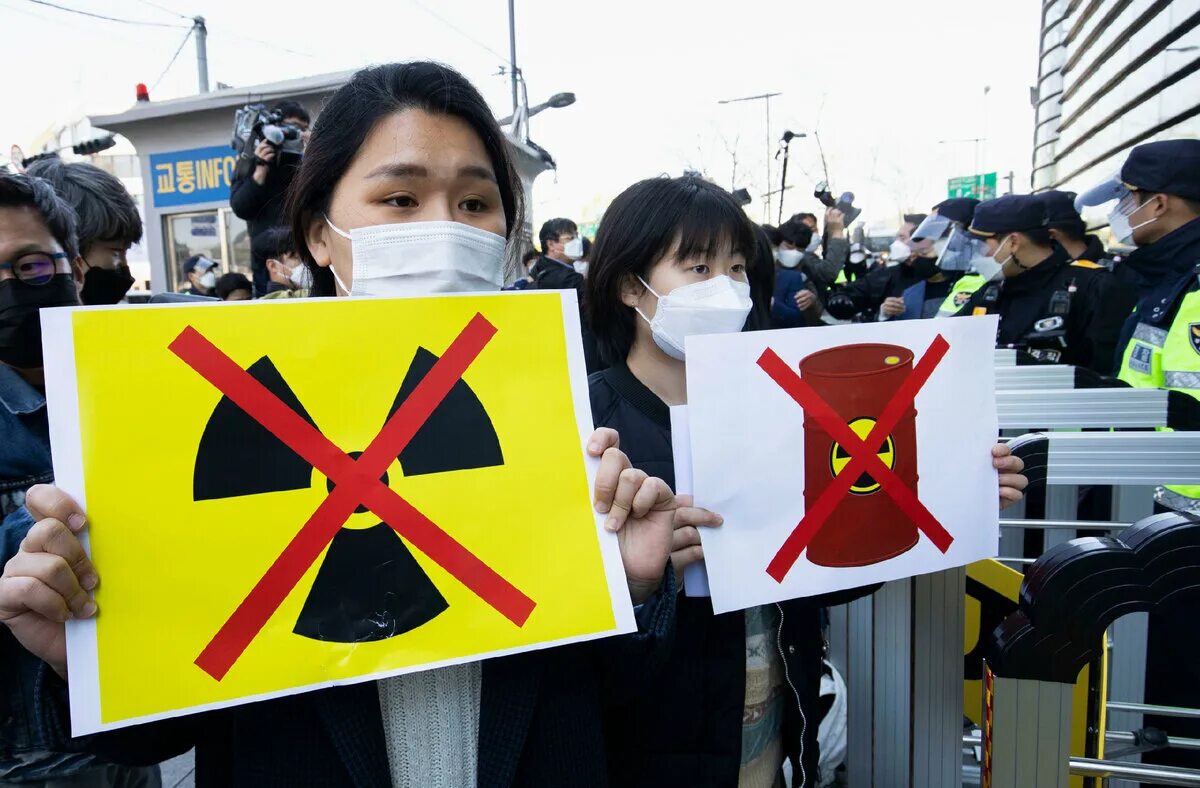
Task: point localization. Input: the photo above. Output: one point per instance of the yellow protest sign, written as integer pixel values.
(287, 495)
(992, 593)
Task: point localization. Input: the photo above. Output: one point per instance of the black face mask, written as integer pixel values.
(20, 327)
(924, 267)
(106, 285)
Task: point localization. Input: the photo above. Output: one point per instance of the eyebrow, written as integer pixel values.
(24, 249)
(405, 170)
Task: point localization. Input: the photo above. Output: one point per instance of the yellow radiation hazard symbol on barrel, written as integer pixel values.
(839, 458)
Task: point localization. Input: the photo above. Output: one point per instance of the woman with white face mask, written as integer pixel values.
(670, 263)
(406, 188)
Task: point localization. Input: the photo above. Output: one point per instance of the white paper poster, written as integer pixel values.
(842, 456)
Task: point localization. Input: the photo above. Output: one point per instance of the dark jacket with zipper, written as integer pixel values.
(687, 731)
(539, 721)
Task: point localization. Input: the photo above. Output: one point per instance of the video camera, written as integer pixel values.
(254, 123)
(845, 203)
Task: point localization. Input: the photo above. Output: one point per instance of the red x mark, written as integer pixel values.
(357, 481)
(862, 458)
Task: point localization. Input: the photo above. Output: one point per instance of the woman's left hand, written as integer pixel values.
(641, 511)
(1011, 480)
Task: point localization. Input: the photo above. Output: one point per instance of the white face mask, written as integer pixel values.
(573, 248)
(898, 252)
(789, 258)
(715, 306)
(300, 276)
(814, 244)
(422, 258)
(208, 280)
(1118, 222)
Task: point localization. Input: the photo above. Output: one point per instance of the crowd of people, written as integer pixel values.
(691, 699)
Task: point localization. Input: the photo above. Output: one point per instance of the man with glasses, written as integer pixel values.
(38, 251)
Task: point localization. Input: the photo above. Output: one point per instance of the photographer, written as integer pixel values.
(257, 195)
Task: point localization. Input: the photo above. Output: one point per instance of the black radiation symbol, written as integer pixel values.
(839, 458)
(369, 586)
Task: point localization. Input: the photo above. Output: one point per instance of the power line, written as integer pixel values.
(457, 29)
(173, 57)
(101, 16)
(228, 32)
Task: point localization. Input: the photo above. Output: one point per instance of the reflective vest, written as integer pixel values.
(1181, 363)
(960, 294)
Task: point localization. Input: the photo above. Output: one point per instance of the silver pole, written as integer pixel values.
(201, 51)
(1162, 711)
(512, 52)
(1137, 772)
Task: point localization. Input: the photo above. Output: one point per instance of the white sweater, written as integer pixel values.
(431, 726)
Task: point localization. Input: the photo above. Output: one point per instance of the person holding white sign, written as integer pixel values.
(407, 161)
(739, 693)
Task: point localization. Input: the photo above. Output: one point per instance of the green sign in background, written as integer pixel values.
(981, 187)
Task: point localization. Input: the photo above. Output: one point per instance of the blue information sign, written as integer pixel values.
(189, 177)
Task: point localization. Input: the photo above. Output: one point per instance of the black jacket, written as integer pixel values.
(687, 731)
(867, 293)
(540, 721)
(1065, 312)
(262, 206)
(553, 275)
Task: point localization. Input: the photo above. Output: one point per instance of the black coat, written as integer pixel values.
(540, 721)
(867, 293)
(261, 206)
(687, 731)
(1094, 307)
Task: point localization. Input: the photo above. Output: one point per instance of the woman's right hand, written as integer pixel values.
(685, 541)
(47, 582)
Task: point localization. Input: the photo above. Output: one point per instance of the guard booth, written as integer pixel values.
(187, 166)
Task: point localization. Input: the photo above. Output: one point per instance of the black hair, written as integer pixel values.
(796, 232)
(760, 273)
(772, 233)
(1075, 229)
(686, 216)
(227, 283)
(105, 210)
(554, 228)
(292, 109)
(273, 244)
(802, 216)
(587, 247)
(914, 219)
(1039, 236)
(353, 111)
(532, 254)
(20, 191)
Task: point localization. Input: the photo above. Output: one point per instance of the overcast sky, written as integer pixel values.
(884, 82)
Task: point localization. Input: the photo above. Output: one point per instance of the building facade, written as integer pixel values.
(186, 164)
(1112, 74)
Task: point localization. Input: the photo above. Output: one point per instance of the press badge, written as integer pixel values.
(1140, 358)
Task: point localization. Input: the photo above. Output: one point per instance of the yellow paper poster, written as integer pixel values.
(288, 495)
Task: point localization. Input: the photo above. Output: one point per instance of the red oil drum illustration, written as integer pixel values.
(858, 381)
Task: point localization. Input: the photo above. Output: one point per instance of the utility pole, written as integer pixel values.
(512, 52)
(1009, 178)
(201, 33)
(766, 99)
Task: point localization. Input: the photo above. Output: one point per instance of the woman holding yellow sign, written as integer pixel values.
(406, 188)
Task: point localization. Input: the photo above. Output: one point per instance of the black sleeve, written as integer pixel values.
(844, 597)
(138, 745)
(247, 198)
(863, 294)
(1111, 307)
(629, 664)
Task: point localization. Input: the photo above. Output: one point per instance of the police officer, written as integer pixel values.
(1050, 307)
(1069, 231)
(1158, 210)
(947, 228)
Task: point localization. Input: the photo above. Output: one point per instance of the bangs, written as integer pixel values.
(707, 224)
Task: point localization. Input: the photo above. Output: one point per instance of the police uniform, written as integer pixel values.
(1161, 349)
(1055, 310)
(961, 210)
